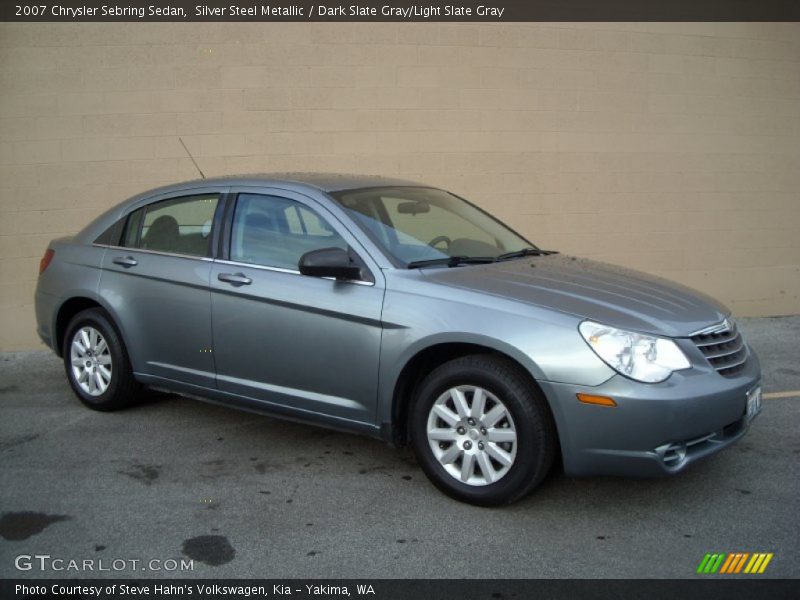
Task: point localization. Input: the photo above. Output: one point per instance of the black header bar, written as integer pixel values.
(734, 588)
(398, 10)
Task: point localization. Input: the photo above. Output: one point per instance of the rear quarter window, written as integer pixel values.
(110, 237)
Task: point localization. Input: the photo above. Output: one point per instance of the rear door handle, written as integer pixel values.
(125, 261)
(235, 279)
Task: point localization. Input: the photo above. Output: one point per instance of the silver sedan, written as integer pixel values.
(399, 311)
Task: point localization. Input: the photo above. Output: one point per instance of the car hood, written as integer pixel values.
(589, 289)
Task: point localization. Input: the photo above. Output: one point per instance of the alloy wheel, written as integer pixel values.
(472, 434)
(90, 358)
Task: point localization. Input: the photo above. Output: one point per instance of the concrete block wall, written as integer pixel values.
(670, 148)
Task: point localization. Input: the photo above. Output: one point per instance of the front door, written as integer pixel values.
(304, 343)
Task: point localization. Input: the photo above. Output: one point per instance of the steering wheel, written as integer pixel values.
(439, 239)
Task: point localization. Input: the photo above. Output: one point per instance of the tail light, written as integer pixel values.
(46, 260)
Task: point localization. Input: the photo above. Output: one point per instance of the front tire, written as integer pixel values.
(482, 430)
(97, 363)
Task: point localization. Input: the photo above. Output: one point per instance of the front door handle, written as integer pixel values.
(235, 279)
(125, 261)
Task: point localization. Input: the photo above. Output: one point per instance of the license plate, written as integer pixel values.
(753, 402)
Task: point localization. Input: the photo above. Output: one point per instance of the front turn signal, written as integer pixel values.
(599, 400)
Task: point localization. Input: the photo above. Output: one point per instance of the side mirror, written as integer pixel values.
(329, 262)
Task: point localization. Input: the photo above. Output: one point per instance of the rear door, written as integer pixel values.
(156, 280)
(285, 339)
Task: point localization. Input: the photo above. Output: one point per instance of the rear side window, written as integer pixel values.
(130, 239)
(276, 232)
(178, 226)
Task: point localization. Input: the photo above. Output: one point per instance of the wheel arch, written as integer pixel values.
(71, 307)
(426, 359)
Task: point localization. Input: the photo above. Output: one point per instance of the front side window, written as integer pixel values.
(419, 224)
(275, 232)
(178, 226)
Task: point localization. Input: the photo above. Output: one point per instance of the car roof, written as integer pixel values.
(326, 182)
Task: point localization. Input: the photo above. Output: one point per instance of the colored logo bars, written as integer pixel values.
(734, 562)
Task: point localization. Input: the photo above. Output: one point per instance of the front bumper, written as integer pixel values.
(655, 429)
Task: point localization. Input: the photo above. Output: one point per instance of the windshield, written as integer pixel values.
(415, 224)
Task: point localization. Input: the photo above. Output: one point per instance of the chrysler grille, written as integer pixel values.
(723, 347)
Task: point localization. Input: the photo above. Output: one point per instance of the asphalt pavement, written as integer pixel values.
(241, 495)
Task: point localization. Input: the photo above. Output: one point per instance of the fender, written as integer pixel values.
(94, 296)
(390, 374)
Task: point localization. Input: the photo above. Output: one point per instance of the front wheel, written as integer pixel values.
(482, 431)
(96, 362)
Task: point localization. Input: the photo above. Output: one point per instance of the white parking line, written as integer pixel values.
(773, 395)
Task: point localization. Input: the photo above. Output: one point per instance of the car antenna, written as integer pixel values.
(194, 162)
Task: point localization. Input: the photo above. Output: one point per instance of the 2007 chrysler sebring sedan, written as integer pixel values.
(399, 311)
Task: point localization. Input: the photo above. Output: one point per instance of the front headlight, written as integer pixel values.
(641, 357)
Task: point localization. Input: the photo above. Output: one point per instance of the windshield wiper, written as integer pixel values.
(526, 252)
(451, 261)
(454, 261)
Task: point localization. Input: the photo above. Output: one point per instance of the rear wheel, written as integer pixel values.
(482, 431)
(96, 362)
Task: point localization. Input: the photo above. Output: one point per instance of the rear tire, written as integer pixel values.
(97, 363)
(482, 430)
